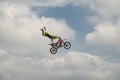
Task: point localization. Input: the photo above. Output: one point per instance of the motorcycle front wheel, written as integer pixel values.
(67, 45)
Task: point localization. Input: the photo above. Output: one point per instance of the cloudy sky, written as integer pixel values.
(92, 27)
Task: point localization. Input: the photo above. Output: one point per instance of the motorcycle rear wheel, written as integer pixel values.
(53, 50)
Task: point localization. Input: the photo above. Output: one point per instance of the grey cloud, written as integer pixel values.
(73, 65)
(40, 3)
(105, 8)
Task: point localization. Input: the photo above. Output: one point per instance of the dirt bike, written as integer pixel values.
(60, 43)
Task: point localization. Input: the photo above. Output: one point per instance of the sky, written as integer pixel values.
(92, 27)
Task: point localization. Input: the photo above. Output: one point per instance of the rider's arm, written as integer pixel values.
(59, 38)
(52, 40)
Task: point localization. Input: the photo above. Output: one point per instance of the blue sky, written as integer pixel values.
(74, 16)
(92, 26)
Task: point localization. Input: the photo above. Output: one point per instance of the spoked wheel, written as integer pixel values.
(67, 45)
(53, 50)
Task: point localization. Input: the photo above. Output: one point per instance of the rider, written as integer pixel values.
(52, 37)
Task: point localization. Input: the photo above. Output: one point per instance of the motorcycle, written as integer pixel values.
(60, 43)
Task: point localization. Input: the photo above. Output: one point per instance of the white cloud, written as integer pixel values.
(106, 8)
(20, 28)
(105, 34)
(73, 65)
(105, 37)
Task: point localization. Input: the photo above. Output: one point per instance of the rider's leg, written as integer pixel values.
(59, 43)
(52, 40)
